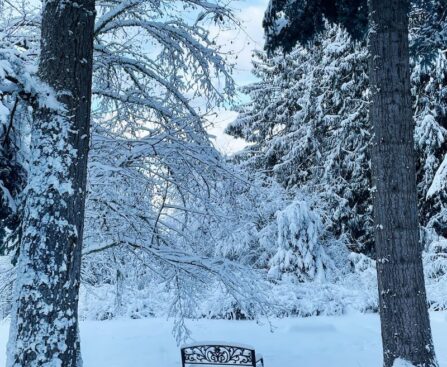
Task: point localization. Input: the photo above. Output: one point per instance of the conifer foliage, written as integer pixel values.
(287, 22)
(308, 121)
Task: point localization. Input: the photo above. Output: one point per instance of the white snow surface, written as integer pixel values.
(402, 363)
(439, 180)
(352, 340)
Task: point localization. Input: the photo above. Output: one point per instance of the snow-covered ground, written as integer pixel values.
(346, 341)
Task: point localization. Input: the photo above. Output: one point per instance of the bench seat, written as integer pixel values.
(216, 353)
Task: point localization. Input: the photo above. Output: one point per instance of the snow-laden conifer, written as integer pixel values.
(308, 121)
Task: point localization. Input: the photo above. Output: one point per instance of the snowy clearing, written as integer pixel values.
(346, 341)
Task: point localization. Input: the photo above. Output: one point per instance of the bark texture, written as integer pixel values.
(44, 327)
(405, 323)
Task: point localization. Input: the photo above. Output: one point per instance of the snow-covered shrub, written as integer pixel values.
(311, 299)
(299, 238)
(218, 304)
(102, 302)
(435, 268)
(351, 286)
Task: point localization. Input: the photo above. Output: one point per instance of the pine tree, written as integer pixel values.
(300, 253)
(287, 22)
(395, 210)
(428, 39)
(308, 121)
(280, 144)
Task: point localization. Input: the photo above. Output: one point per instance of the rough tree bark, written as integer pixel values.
(44, 326)
(405, 323)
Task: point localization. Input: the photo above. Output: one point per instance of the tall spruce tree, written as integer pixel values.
(428, 40)
(287, 22)
(44, 326)
(323, 89)
(405, 324)
(309, 111)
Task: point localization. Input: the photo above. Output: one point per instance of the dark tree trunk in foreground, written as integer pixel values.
(44, 328)
(406, 330)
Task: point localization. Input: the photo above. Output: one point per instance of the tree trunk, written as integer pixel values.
(405, 323)
(44, 326)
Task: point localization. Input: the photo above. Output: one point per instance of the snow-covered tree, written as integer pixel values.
(393, 168)
(44, 326)
(330, 152)
(308, 121)
(300, 252)
(287, 22)
(153, 173)
(429, 88)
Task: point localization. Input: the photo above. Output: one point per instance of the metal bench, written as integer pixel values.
(220, 354)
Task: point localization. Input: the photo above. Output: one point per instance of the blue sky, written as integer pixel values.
(250, 13)
(240, 43)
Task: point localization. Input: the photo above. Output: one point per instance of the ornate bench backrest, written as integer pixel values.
(219, 355)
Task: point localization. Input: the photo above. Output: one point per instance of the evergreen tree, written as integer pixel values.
(395, 202)
(428, 39)
(430, 90)
(340, 136)
(300, 253)
(287, 22)
(308, 121)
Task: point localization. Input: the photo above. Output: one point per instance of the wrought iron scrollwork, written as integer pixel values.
(218, 355)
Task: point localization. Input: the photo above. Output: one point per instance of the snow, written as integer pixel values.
(439, 180)
(280, 23)
(402, 363)
(347, 341)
